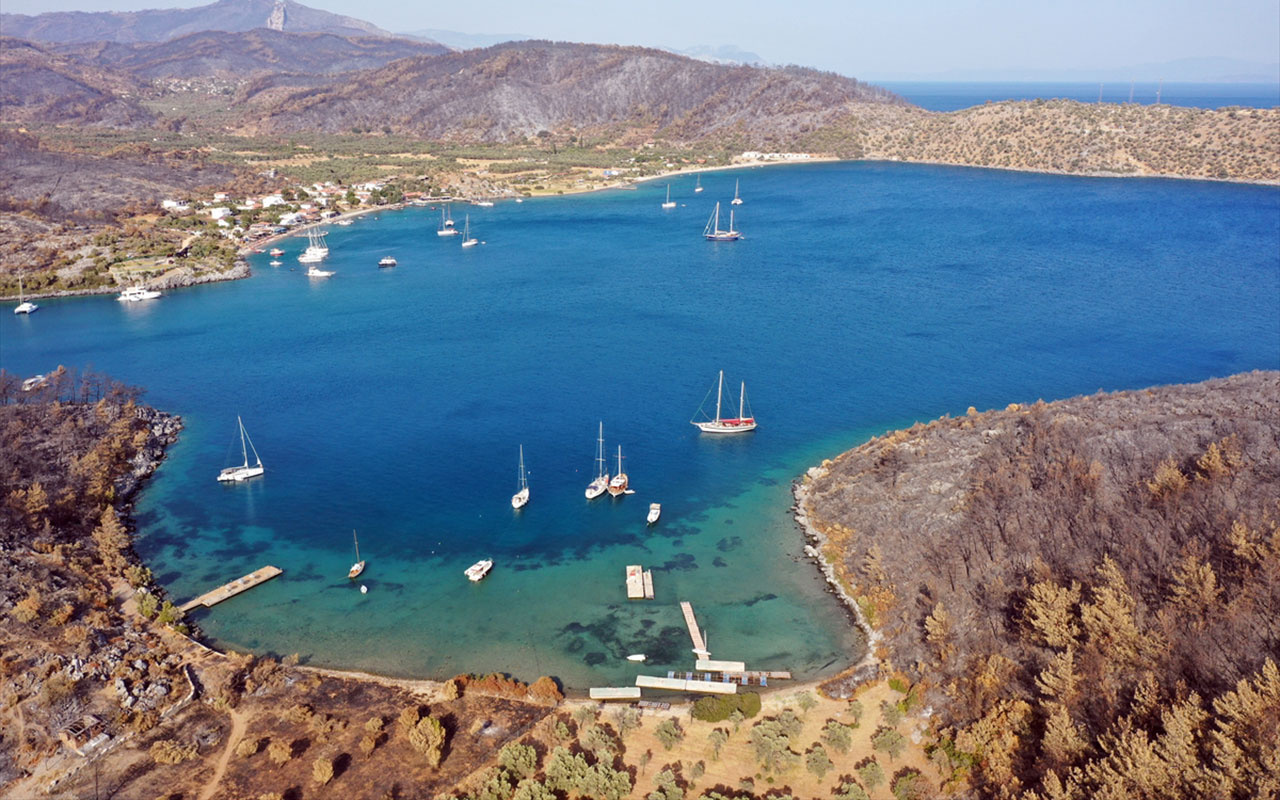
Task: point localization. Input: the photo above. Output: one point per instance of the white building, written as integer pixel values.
(219, 212)
(272, 200)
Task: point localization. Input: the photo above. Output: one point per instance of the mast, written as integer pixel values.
(741, 398)
(243, 452)
(523, 482)
(600, 453)
(619, 459)
(356, 539)
(719, 392)
(731, 220)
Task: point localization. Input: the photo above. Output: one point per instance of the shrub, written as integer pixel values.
(669, 732)
(909, 785)
(28, 608)
(871, 774)
(428, 737)
(817, 761)
(279, 752)
(520, 760)
(718, 708)
(322, 770)
(247, 747)
(889, 741)
(168, 751)
(836, 735)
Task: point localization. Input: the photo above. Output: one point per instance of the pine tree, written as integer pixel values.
(1050, 611)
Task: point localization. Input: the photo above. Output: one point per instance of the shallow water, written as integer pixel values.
(392, 401)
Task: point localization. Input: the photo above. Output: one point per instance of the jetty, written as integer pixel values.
(229, 590)
(699, 642)
(675, 684)
(615, 693)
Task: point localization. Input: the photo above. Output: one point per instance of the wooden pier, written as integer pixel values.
(699, 643)
(228, 590)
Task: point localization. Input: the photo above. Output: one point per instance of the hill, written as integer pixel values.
(513, 91)
(157, 25)
(43, 87)
(1089, 588)
(244, 54)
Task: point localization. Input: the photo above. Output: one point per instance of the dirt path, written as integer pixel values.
(238, 724)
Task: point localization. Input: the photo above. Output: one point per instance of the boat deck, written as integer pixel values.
(229, 590)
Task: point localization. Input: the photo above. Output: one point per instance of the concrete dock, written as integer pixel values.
(699, 643)
(639, 583)
(615, 693)
(685, 685)
(229, 590)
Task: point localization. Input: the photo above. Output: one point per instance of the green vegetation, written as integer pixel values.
(718, 708)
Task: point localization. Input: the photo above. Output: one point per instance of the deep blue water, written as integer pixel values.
(866, 296)
(950, 96)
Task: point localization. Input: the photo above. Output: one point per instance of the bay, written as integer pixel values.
(865, 296)
(955, 95)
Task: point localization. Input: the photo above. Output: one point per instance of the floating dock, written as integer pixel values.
(615, 693)
(699, 643)
(229, 590)
(639, 583)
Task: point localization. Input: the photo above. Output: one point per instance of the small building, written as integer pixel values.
(219, 212)
(270, 200)
(84, 732)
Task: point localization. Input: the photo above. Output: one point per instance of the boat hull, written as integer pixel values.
(237, 474)
(520, 498)
(727, 426)
(471, 243)
(598, 487)
(25, 308)
(618, 486)
(447, 232)
(355, 570)
(477, 571)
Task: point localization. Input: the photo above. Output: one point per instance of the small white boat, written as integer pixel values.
(275, 263)
(669, 203)
(697, 187)
(24, 306)
(387, 261)
(467, 239)
(357, 567)
(713, 231)
(636, 657)
(276, 252)
(600, 484)
(316, 272)
(446, 223)
(135, 294)
(478, 570)
(737, 201)
(739, 424)
(364, 589)
(482, 203)
(618, 486)
(34, 382)
(344, 222)
(245, 471)
(521, 497)
(655, 511)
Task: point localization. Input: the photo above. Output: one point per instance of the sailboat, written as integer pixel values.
(737, 201)
(446, 223)
(357, 567)
(670, 203)
(697, 186)
(467, 239)
(618, 486)
(600, 484)
(739, 424)
(713, 232)
(24, 306)
(317, 249)
(243, 472)
(521, 497)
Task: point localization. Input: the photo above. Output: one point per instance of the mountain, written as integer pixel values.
(158, 25)
(38, 86)
(722, 54)
(466, 41)
(244, 54)
(513, 91)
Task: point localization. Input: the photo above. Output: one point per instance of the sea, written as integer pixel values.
(393, 402)
(952, 96)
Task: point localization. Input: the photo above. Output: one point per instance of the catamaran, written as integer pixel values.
(446, 222)
(24, 306)
(521, 497)
(245, 471)
(739, 424)
(317, 249)
(737, 201)
(600, 484)
(670, 203)
(467, 239)
(357, 567)
(713, 232)
(618, 486)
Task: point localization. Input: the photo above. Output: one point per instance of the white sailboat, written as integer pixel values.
(244, 471)
(520, 498)
(600, 484)
(357, 567)
(669, 203)
(24, 306)
(317, 249)
(697, 186)
(467, 239)
(737, 201)
(446, 222)
(739, 424)
(618, 486)
(714, 233)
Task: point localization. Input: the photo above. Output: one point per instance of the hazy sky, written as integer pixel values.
(884, 39)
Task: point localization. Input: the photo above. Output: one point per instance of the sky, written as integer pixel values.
(885, 40)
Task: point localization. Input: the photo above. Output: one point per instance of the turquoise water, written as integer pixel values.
(393, 401)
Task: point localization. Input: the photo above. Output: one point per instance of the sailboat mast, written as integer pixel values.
(243, 451)
(600, 452)
(742, 396)
(619, 459)
(719, 392)
(356, 539)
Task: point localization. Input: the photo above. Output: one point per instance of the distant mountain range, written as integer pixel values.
(158, 25)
